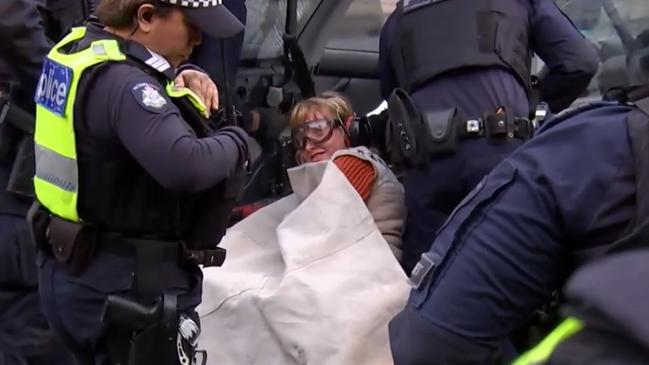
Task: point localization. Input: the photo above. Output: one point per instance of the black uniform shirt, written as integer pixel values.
(128, 110)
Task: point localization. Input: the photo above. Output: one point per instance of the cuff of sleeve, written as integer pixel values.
(189, 66)
(240, 138)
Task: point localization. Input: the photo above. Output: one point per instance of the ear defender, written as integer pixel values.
(359, 131)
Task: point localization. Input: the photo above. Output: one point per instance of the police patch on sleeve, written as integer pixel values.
(149, 97)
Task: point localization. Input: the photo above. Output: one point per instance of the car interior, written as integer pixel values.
(297, 48)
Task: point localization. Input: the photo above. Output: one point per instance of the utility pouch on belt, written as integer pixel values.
(440, 127)
(402, 143)
(415, 136)
(72, 243)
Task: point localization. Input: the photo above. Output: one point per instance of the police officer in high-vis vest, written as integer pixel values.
(573, 193)
(133, 185)
(474, 57)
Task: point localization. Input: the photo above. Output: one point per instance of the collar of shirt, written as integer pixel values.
(158, 62)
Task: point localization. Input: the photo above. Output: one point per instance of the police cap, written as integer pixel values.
(210, 16)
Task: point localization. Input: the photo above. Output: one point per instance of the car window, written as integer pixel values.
(266, 23)
(360, 27)
(612, 26)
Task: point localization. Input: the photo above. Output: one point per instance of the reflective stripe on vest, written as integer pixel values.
(541, 353)
(56, 182)
(176, 92)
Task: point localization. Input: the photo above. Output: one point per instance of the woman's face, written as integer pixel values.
(314, 152)
(173, 37)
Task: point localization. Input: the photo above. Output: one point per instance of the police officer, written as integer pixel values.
(573, 193)
(209, 55)
(475, 57)
(131, 181)
(219, 56)
(27, 30)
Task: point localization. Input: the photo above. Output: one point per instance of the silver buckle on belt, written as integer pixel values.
(473, 126)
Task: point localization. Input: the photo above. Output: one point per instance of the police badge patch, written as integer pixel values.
(149, 97)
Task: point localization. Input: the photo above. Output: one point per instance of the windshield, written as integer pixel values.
(360, 27)
(266, 24)
(614, 27)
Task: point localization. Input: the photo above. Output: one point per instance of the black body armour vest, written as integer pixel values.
(439, 36)
(117, 195)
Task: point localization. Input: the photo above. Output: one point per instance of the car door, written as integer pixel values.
(339, 40)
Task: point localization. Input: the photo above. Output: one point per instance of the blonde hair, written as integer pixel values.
(332, 104)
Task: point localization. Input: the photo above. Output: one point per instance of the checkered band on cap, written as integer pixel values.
(195, 3)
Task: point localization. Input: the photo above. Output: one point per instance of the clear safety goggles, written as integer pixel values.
(315, 131)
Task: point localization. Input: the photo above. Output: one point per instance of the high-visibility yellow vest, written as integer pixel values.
(541, 353)
(56, 182)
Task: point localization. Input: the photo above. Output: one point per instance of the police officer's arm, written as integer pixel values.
(387, 76)
(572, 60)
(150, 127)
(506, 246)
(23, 43)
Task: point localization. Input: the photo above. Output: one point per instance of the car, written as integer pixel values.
(333, 45)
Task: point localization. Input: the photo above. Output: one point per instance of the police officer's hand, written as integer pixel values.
(201, 84)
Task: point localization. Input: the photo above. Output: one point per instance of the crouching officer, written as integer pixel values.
(608, 319)
(537, 216)
(474, 57)
(134, 189)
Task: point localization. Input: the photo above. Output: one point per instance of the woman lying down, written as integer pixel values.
(313, 278)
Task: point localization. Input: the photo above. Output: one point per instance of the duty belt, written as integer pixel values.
(417, 135)
(68, 240)
(77, 245)
(171, 250)
(494, 127)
